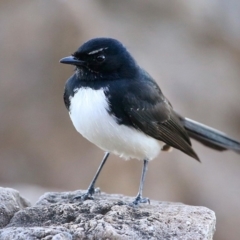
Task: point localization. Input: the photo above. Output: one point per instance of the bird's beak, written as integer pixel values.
(72, 61)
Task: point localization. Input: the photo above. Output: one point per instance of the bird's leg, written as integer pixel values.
(91, 190)
(139, 198)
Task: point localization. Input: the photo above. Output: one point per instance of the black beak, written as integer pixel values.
(72, 61)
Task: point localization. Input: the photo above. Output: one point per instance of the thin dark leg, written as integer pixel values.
(91, 189)
(139, 198)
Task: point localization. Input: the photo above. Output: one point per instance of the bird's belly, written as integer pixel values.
(89, 114)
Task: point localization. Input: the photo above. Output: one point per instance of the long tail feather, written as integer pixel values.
(210, 137)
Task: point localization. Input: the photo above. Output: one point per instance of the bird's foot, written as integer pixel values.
(139, 199)
(88, 195)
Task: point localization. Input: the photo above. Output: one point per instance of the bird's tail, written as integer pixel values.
(210, 137)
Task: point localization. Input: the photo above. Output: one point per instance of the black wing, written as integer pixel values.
(150, 112)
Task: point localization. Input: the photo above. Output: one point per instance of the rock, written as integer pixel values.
(59, 216)
(10, 203)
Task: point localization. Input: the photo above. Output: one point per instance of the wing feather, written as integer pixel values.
(156, 118)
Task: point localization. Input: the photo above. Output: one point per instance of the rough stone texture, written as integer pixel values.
(10, 203)
(58, 216)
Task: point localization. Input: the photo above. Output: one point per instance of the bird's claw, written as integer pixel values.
(139, 200)
(83, 197)
(88, 195)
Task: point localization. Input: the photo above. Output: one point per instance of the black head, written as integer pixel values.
(103, 57)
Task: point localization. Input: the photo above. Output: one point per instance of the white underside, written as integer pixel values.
(89, 115)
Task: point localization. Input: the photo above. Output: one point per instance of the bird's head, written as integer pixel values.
(103, 57)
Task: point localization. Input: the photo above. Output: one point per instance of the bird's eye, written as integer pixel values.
(100, 58)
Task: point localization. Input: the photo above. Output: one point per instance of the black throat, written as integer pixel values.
(85, 77)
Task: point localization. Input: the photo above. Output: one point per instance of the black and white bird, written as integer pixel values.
(119, 107)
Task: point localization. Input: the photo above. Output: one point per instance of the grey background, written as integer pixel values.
(191, 48)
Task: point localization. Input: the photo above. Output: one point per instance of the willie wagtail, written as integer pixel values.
(119, 107)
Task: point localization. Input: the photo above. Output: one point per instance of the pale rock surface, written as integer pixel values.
(10, 203)
(59, 216)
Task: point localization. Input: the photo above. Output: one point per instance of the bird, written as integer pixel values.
(115, 104)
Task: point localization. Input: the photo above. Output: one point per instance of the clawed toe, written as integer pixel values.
(88, 195)
(139, 200)
(83, 197)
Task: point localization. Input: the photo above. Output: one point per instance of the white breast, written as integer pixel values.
(90, 117)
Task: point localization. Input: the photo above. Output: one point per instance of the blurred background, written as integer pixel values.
(191, 48)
